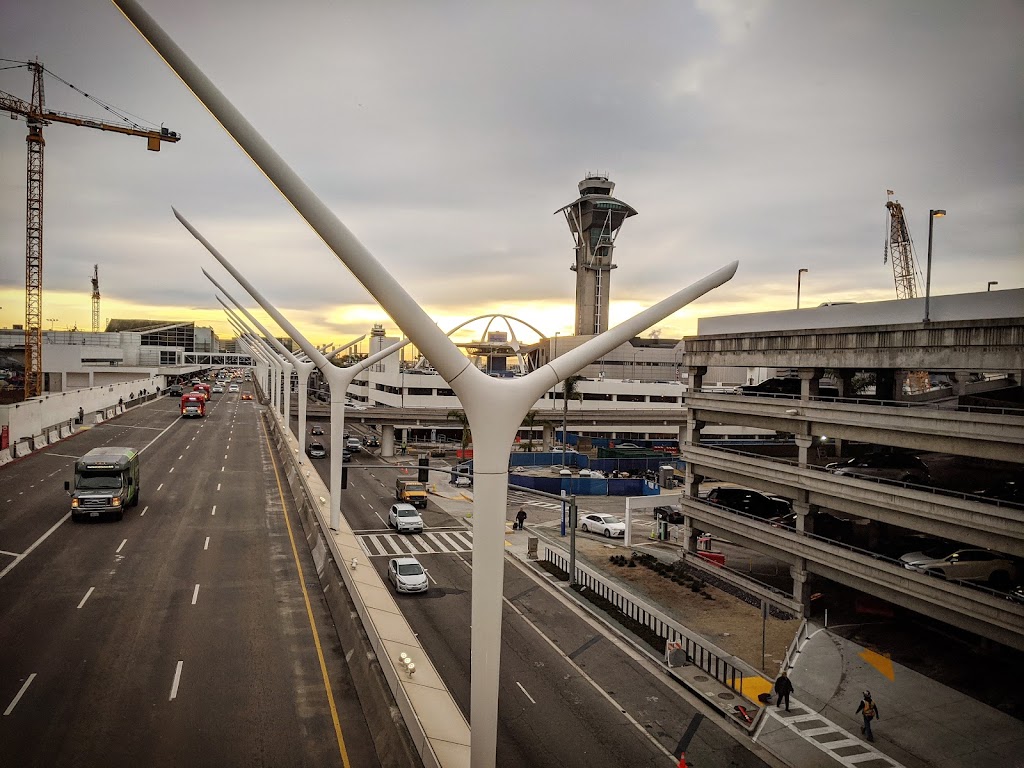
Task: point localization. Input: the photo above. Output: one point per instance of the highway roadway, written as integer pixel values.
(182, 635)
(572, 694)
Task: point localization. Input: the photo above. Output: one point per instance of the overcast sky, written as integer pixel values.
(446, 134)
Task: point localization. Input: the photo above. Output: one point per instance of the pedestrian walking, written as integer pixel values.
(520, 518)
(869, 710)
(783, 687)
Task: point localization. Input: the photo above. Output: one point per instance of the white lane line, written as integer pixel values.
(218, 486)
(35, 544)
(10, 554)
(181, 457)
(188, 446)
(214, 510)
(222, 468)
(160, 486)
(525, 693)
(143, 510)
(86, 596)
(206, 545)
(177, 677)
(170, 470)
(122, 545)
(225, 455)
(195, 594)
(21, 693)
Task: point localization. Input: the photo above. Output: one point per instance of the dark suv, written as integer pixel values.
(902, 467)
(750, 502)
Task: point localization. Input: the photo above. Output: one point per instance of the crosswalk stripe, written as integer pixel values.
(428, 543)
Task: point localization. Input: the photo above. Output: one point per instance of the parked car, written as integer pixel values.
(626, 445)
(902, 467)
(750, 502)
(316, 450)
(371, 441)
(1011, 489)
(405, 517)
(407, 575)
(607, 525)
(316, 429)
(963, 564)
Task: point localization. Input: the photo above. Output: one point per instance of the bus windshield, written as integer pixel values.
(93, 481)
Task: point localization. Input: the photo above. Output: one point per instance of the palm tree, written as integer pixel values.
(530, 421)
(460, 416)
(569, 390)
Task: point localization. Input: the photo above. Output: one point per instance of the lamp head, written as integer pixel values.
(938, 214)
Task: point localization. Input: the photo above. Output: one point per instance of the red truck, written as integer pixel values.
(193, 404)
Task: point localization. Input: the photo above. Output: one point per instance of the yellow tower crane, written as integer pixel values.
(900, 248)
(95, 298)
(37, 115)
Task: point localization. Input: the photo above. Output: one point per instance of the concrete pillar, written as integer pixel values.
(688, 539)
(809, 382)
(963, 378)
(803, 444)
(805, 513)
(693, 428)
(844, 382)
(695, 379)
(801, 585)
(547, 436)
(92, 378)
(885, 384)
(387, 440)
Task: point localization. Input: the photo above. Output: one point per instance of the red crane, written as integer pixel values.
(37, 116)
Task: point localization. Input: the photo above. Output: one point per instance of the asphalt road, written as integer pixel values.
(181, 635)
(571, 695)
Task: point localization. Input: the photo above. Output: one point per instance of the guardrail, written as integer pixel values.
(726, 670)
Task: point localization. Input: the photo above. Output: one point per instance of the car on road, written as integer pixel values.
(963, 564)
(352, 445)
(246, 396)
(316, 450)
(750, 502)
(670, 514)
(407, 575)
(232, 387)
(405, 517)
(175, 390)
(218, 389)
(346, 456)
(607, 525)
(371, 441)
(901, 467)
(316, 429)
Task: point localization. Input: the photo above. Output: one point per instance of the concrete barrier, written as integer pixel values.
(404, 732)
(5, 456)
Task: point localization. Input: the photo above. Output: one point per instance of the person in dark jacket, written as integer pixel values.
(869, 710)
(783, 687)
(520, 518)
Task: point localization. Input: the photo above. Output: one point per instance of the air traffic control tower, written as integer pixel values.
(594, 221)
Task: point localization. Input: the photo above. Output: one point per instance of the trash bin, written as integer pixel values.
(531, 547)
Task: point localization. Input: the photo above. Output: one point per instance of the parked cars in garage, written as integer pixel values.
(902, 467)
(750, 502)
(407, 575)
(963, 564)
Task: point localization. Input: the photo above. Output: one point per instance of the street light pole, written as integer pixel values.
(799, 274)
(932, 215)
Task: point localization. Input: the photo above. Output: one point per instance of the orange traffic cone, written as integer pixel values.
(682, 761)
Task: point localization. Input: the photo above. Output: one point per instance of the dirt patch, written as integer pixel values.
(726, 619)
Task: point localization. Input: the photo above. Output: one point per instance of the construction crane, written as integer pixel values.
(95, 298)
(37, 115)
(900, 248)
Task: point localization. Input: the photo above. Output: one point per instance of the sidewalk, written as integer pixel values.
(923, 724)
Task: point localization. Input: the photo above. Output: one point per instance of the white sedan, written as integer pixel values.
(607, 525)
(407, 575)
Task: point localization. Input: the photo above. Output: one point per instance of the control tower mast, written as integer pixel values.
(594, 221)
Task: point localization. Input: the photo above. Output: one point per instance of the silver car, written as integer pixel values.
(407, 574)
(978, 565)
(405, 518)
(607, 525)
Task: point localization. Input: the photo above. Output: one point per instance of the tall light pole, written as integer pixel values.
(799, 274)
(991, 283)
(932, 216)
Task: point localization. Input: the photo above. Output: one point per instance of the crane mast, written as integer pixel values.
(37, 116)
(95, 298)
(900, 248)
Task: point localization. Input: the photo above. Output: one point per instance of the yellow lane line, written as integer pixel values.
(309, 609)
